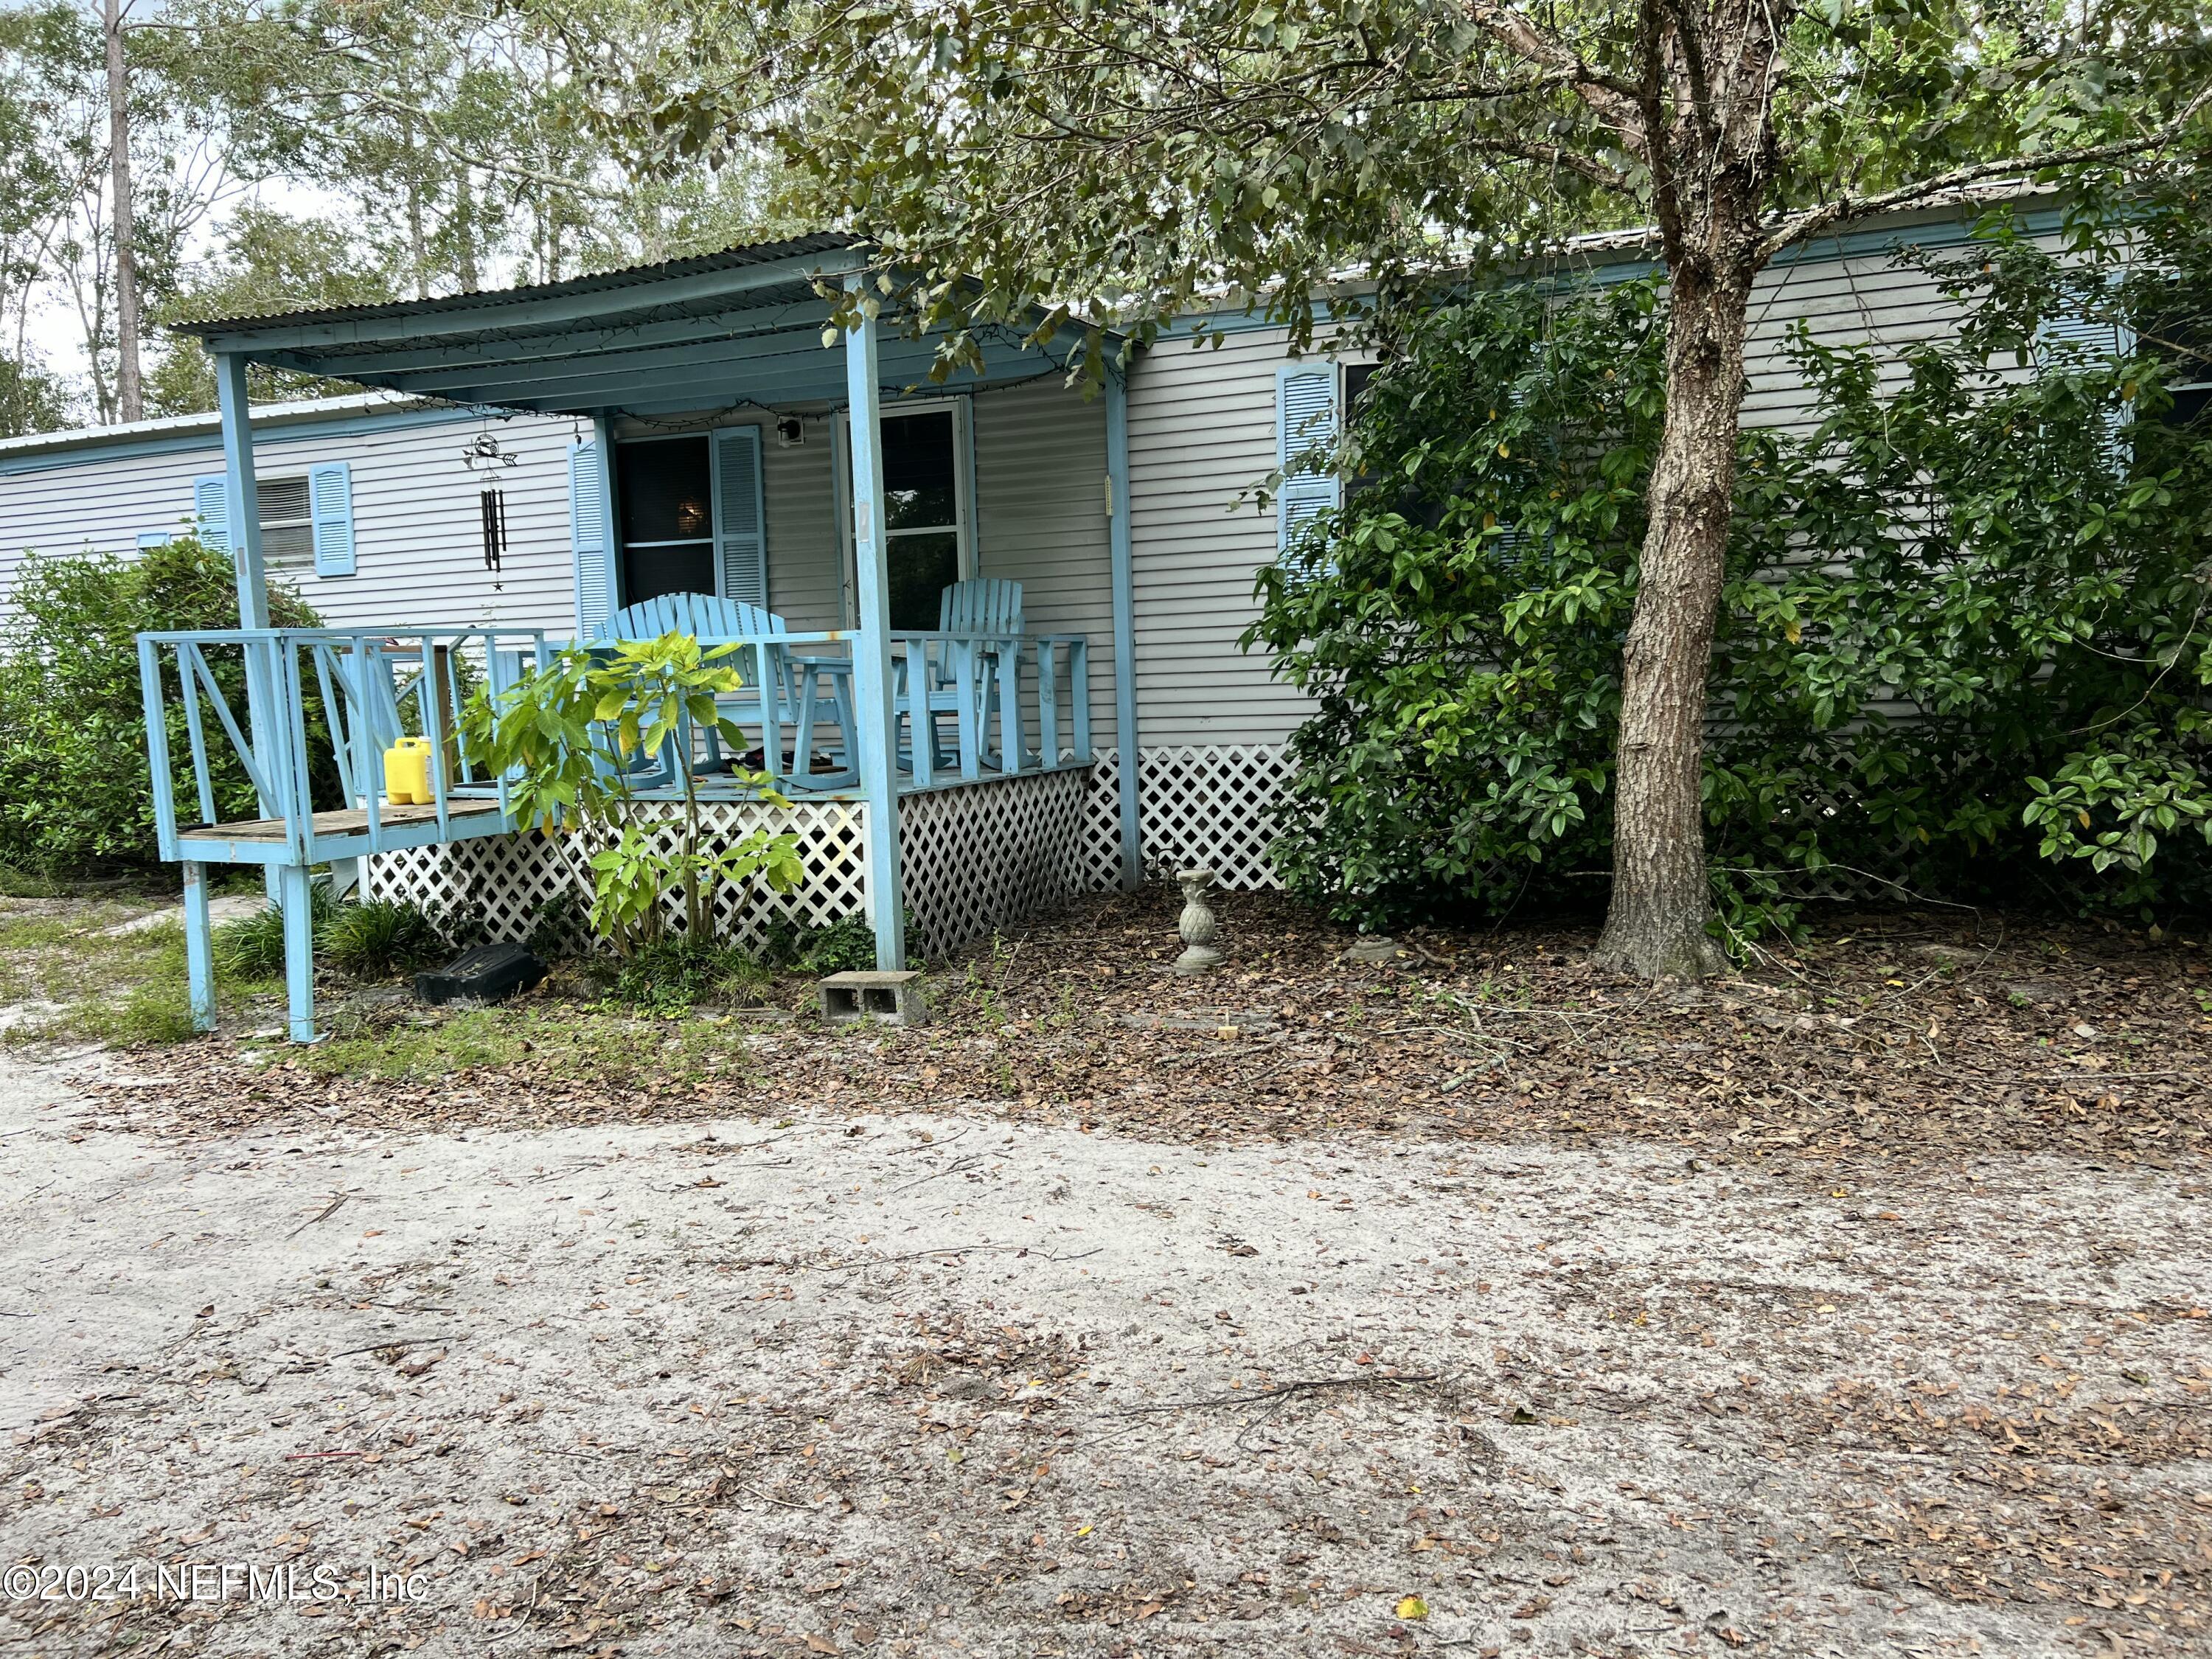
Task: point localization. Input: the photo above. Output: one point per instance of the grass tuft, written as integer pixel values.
(378, 938)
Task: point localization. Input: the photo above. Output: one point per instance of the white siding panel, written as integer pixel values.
(1202, 431)
(806, 585)
(100, 505)
(1041, 507)
(417, 517)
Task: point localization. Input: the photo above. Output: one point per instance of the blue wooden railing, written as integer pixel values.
(990, 705)
(968, 707)
(372, 686)
(987, 687)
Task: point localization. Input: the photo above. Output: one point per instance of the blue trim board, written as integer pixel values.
(1123, 595)
(302, 429)
(483, 313)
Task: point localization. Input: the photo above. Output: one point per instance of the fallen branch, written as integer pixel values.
(1307, 1385)
(770, 1498)
(402, 1342)
(324, 1214)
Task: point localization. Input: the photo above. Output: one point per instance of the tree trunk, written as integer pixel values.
(130, 392)
(465, 222)
(1655, 926)
(419, 258)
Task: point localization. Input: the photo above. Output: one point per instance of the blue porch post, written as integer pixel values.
(241, 500)
(1125, 623)
(298, 950)
(287, 884)
(872, 648)
(199, 947)
(242, 524)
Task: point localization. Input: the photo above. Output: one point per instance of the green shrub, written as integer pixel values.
(840, 947)
(837, 947)
(76, 793)
(253, 947)
(378, 938)
(1965, 631)
(368, 939)
(672, 975)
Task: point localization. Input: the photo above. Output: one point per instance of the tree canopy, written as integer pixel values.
(1130, 161)
(302, 152)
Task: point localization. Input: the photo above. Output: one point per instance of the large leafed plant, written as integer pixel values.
(582, 739)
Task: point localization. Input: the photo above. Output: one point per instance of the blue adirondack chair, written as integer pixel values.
(799, 693)
(984, 604)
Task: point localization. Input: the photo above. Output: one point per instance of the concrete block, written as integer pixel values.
(873, 996)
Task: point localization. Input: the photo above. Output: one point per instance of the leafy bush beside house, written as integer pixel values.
(1964, 636)
(76, 790)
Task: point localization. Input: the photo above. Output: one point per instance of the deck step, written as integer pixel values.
(344, 821)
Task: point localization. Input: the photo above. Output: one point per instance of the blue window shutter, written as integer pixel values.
(587, 538)
(740, 544)
(2094, 339)
(1305, 442)
(2072, 340)
(330, 508)
(211, 508)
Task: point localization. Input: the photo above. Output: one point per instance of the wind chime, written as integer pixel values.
(484, 455)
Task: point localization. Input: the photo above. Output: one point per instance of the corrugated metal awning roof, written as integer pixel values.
(606, 282)
(749, 325)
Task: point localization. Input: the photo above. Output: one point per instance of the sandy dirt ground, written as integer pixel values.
(950, 1384)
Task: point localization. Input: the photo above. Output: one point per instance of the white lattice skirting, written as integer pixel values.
(972, 859)
(1200, 806)
(986, 855)
(510, 879)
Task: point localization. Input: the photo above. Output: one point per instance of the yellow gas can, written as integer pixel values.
(407, 772)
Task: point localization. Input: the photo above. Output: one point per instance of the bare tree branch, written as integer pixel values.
(1811, 221)
(1615, 99)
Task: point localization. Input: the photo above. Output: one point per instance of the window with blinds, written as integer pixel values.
(287, 524)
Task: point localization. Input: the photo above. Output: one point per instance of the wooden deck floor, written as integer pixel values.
(349, 821)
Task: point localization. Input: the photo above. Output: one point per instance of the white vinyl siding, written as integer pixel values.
(1202, 430)
(806, 585)
(416, 518)
(1041, 508)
